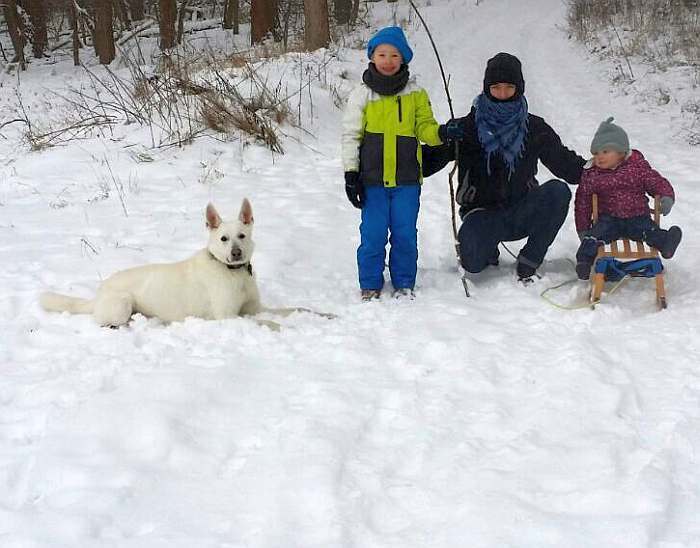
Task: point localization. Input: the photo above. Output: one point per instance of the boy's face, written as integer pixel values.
(387, 59)
(607, 158)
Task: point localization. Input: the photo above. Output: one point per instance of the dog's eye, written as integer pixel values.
(224, 238)
(241, 236)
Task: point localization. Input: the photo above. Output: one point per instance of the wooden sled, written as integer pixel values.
(627, 250)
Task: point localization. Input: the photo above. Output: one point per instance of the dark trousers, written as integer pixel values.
(538, 216)
(609, 228)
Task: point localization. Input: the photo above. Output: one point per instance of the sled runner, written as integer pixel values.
(627, 257)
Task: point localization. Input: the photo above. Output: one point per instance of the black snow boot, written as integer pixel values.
(525, 271)
(583, 269)
(673, 238)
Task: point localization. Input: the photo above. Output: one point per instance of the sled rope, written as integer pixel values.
(571, 281)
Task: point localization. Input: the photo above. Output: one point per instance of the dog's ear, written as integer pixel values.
(213, 219)
(246, 214)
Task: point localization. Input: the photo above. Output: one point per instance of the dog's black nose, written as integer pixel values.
(236, 254)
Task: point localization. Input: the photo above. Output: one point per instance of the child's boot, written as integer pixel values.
(673, 238)
(404, 292)
(585, 256)
(370, 294)
(583, 269)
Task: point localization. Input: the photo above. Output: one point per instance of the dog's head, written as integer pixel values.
(231, 242)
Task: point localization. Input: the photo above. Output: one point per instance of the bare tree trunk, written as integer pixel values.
(104, 31)
(181, 20)
(285, 24)
(14, 27)
(168, 18)
(74, 26)
(122, 13)
(262, 19)
(355, 11)
(316, 32)
(136, 10)
(232, 15)
(343, 11)
(37, 17)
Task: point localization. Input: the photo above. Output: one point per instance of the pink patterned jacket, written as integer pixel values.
(622, 192)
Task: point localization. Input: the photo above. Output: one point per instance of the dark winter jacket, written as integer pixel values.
(479, 189)
(622, 192)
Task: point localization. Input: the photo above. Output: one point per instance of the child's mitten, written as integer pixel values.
(665, 205)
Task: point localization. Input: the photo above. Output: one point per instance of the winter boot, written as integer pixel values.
(583, 270)
(673, 238)
(585, 256)
(524, 270)
(403, 292)
(370, 294)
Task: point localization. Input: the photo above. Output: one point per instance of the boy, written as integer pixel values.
(385, 119)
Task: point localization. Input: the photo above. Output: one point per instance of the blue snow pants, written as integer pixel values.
(538, 216)
(389, 210)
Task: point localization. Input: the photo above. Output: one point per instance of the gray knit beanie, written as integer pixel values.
(610, 136)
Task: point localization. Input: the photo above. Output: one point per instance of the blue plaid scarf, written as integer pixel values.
(502, 127)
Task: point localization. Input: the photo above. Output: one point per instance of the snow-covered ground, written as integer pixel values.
(444, 422)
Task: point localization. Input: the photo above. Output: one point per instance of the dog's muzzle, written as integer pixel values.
(236, 254)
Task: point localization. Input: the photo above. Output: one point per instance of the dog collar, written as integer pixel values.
(249, 267)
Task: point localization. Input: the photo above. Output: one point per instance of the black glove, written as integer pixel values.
(354, 188)
(452, 130)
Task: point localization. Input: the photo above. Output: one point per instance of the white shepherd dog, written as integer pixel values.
(215, 283)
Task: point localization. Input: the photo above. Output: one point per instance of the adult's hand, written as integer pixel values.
(452, 131)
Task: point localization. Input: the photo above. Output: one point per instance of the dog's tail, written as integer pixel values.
(55, 302)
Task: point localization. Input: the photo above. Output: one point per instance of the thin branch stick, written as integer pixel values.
(454, 167)
(624, 51)
(437, 55)
(13, 121)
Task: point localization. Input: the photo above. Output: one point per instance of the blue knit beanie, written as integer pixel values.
(393, 36)
(610, 136)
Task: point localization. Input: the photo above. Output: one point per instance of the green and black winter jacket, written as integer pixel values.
(381, 134)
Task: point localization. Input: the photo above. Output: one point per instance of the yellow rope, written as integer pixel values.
(577, 306)
(563, 306)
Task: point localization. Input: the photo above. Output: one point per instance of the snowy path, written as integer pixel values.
(498, 421)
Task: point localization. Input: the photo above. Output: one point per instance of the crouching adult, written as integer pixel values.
(499, 144)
